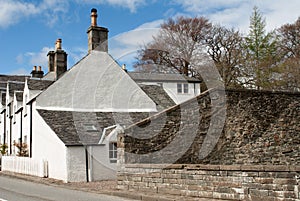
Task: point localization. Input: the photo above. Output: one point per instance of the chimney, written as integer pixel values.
(124, 68)
(97, 36)
(37, 72)
(57, 62)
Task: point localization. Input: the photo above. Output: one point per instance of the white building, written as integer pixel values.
(179, 87)
(69, 119)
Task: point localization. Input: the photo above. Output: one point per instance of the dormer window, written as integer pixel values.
(182, 88)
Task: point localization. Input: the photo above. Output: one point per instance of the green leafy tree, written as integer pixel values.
(3, 149)
(261, 52)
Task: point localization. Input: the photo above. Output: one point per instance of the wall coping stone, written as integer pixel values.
(256, 168)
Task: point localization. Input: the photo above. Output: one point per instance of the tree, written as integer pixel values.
(262, 51)
(3, 149)
(22, 149)
(226, 50)
(289, 67)
(177, 48)
(289, 37)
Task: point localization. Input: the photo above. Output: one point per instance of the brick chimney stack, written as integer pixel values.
(97, 36)
(57, 60)
(37, 72)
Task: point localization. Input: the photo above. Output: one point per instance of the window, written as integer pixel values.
(179, 88)
(25, 139)
(113, 152)
(182, 88)
(90, 128)
(185, 88)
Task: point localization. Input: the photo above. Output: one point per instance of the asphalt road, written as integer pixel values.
(12, 189)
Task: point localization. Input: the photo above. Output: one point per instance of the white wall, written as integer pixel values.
(171, 89)
(76, 164)
(103, 169)
(1, 127)
(99, 166)
(47, 146)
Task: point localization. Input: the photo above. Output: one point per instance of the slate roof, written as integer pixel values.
(34, 84)
(161, 77)
(19, 78)
(96, 83)
(70, 127)
(15, 86)
(159, 96)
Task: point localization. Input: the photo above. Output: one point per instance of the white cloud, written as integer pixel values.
(124, 46)
(11, 11)
(130, 4)
(38, 58)
(20, 71)
(236, 13)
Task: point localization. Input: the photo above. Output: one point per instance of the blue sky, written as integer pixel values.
(29, 28)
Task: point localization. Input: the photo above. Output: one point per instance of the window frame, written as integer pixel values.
(182, 88)
(113, 152)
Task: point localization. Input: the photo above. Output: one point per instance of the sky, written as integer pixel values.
(29, 28)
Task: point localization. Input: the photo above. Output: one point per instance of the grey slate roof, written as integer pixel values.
(19, 78)
(15, 86)
(161, 77)
(70, 127)
(159, 96)
(35, 84)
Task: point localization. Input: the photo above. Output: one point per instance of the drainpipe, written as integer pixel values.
(4, 136)
(21, 132)
(86, 163)
(30, 134)
(10, 134)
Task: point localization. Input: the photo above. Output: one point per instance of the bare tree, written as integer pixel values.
(226, 50)
(289, 67)
(178, 46)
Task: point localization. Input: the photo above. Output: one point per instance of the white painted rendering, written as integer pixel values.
(76, 164)
(47, 146)
(96, 83)
(171, 89)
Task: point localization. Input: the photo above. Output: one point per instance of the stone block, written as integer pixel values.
(258, 193)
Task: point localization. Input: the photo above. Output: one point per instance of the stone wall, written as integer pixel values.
(258, 128)
(248, 141)
(230, 182)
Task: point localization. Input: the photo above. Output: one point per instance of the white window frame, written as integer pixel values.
(182, 88)
(113, 152)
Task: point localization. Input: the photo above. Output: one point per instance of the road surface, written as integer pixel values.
(12, 189)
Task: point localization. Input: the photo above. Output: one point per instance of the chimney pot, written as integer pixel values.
(58, 44)
(40, 68)
(34, 68)
(94, 16)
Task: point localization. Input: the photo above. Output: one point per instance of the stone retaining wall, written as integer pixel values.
(231, 182)
(254, 154)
